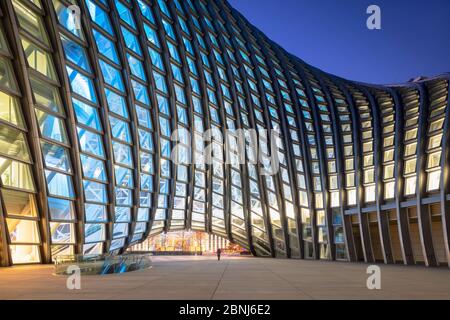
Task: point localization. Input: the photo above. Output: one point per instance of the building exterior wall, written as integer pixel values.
(98, 98)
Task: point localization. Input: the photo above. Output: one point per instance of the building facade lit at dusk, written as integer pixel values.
(96, 96)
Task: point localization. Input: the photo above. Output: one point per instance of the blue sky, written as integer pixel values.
(332, 35)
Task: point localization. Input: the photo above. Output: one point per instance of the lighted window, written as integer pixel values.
(19, 203)
(410, 186)
(46, 96)
(22, 231)
(389, 190)
(10, 109)
(13, 144)
(39, 59)
(16, 174)
(24, 254)
(410, 166)
(7, 79)
(434, 179)
(351, 197)
(30, 22)
(434, 159)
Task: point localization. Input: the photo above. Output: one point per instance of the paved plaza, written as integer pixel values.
(203, 277)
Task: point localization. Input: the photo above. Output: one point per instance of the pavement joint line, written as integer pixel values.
(293, 286)
(220, 280)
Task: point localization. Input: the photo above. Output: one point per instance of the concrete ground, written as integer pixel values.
(203, 277)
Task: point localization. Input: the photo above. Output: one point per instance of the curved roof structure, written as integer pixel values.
(121, 119)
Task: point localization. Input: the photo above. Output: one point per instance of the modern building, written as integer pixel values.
(96, 95)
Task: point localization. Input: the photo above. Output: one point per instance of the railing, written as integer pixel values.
(102, 264)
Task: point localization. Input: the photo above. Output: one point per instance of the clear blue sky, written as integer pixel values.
(332, 35)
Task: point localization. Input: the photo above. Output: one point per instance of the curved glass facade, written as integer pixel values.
(122, 119)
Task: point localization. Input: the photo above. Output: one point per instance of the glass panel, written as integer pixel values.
(67, 19)
(62, 232)
(19, 203)
(29, 21)
(61, 209)
(131, 41)
(93, 168)
(81, 84)
(95, 213)
(87, 114)
(122, 154)
(24, 254)
(59, 184)
(99, 16)
(10, 109)
(6, 76)
(51, 127)
(95, 192)
(120, 129)
(39, 59)
(16, 174)
(94, 232)
(90, 142)
(46, 95)
(22, 231)
(13, 144)
(116, 103)
(55, 156)
(108, 48)
(75, 53)
(111, 76)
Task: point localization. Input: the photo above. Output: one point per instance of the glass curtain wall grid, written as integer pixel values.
(123, 119)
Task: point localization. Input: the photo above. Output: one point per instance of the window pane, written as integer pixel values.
(19, 203)
(39, 59)
(75, 53)
(46, 95)
(13, 143)
(6, 76)
(51, 127)
(87, 114)
(61, 209)
(81, 84)
(111, 76)
(10, 109)
(30, 21)
(90, 142)
(22, 231)
(107, 46)
(93, 168)
(55, 156)
(16, 174)
(59, 184)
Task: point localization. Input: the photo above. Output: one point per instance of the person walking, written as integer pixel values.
(218, 254)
